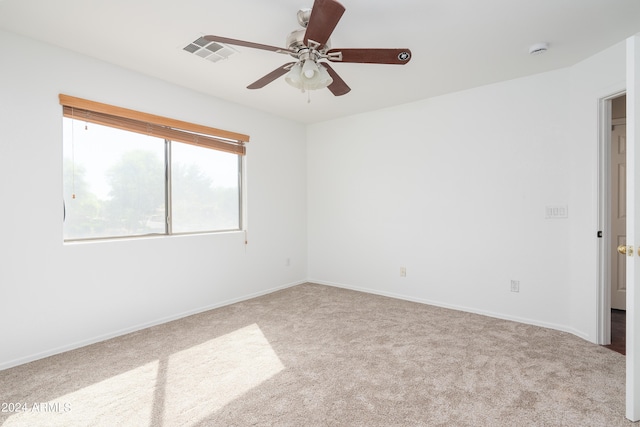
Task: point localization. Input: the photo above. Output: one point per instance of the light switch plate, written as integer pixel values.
(557, 212)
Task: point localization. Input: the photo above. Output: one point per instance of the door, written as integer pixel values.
(618, 213)
(633, 229)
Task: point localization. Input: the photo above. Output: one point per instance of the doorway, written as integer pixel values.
(618, 213)
(618, 225)
(613, 222)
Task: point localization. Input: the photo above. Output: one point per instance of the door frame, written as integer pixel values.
(603, 315)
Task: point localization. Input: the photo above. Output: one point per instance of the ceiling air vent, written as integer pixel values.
(211, 51)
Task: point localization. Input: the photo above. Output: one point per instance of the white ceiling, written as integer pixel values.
(456, 44)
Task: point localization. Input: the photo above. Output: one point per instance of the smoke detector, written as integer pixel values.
(538, 48)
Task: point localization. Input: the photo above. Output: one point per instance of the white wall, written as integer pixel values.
(55, 296)
(454, 188)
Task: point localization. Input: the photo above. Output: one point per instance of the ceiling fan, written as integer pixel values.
(311, 47)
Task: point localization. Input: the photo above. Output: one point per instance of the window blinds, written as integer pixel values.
(150, 124)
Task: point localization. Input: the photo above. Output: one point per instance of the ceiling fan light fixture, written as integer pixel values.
(293, 77)
(310, 69)
(320, 80)
(299, 78)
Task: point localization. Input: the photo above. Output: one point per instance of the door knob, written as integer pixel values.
(625, 250)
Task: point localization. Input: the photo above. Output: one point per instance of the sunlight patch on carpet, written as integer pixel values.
(215, 373)
(128, 396)
(180, 389)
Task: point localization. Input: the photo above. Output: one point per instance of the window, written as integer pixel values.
(132, 174)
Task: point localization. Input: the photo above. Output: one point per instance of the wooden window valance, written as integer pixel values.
(150, 124)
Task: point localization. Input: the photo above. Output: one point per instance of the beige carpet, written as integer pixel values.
(314, 355)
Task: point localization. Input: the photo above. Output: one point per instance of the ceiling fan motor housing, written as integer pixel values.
(303, 17)
(295, 42)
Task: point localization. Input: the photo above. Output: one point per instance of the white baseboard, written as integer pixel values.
(114, 334)
(533, 322)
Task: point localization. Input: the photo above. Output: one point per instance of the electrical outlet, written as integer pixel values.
(515, 286)
(287, 262)
(403, 271)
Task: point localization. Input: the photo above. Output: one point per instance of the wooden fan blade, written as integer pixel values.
(325, 15)
(338, 87)
(236, 42)
(271, 76)
(370, 56)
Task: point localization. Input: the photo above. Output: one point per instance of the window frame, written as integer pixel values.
(171, 130)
